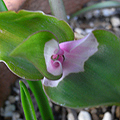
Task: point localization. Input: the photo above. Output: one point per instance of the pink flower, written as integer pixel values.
(68, 57)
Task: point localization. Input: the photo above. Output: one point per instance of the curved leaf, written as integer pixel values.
(27, 103)
(99, 84)
(32, 49)
(17, 27)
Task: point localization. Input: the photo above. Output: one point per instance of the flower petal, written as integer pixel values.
(51, 83)
(51, 48)
(77, 52)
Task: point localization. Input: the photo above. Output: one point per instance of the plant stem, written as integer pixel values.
(42, 101)
(58, 9)
(3, 6)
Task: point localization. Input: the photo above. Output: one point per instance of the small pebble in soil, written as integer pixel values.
(15, 116)
(107, 116)
(17, 98)
(91, 24)
(108, 12)
(84, 115)
(115, 21)
(9, 110)
(88, 15)
(7, 102)
(79, 31)
(11, 99)
(88, 30)
(96, 13)
(70, 116)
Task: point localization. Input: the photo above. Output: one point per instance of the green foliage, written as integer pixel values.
(15, 28)
(27, 103)
(42, 100)
(99, 84)
(35, 53)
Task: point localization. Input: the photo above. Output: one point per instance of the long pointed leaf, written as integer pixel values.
(27, 103)
(42, 101)
(106, 4)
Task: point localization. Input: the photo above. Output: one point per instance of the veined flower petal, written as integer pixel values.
(77, 52)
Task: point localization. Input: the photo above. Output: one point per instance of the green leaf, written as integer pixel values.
(42, 100)
(27, 103)
(99, 84)
(32, 49)
(105, 4)
(17, 27)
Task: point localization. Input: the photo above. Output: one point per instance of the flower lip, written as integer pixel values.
(53, 57)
